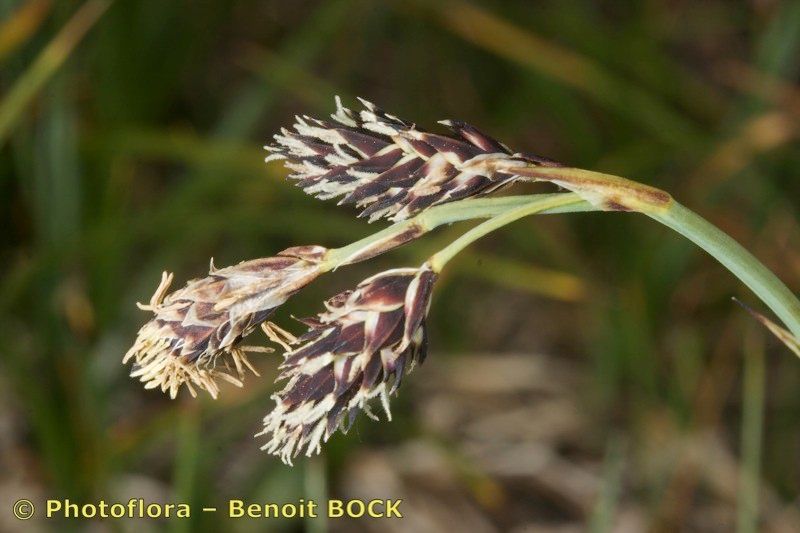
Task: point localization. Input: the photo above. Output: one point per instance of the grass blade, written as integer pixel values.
(751, 435)
(47, 63)
(22, 24)
(505, 39)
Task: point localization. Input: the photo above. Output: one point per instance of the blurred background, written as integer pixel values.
(587, 372)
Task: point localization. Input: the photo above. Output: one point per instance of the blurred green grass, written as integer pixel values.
(136, 147)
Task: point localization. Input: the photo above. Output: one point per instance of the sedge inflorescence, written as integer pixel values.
(367, 339)
(194, 338)
(391, 168)
(359, 348)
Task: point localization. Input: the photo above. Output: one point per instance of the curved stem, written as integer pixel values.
(772, 291)
(440, 258)
(407, 230)
(592, 191)
(614, 193)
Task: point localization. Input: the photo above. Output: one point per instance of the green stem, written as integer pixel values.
(592, 191)
(430, 219)
(610, 192)
(751, 434)
(539, 205)
(735, 258)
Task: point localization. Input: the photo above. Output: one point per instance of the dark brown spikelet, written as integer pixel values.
(358, 349)
(194, 338)
(390, 167)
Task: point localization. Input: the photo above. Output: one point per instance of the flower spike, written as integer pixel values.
(201, 325)
(358, 349)
(390, 167)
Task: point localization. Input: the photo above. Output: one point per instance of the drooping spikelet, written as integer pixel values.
(194, 338)
(389, 166)
(358, 349)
